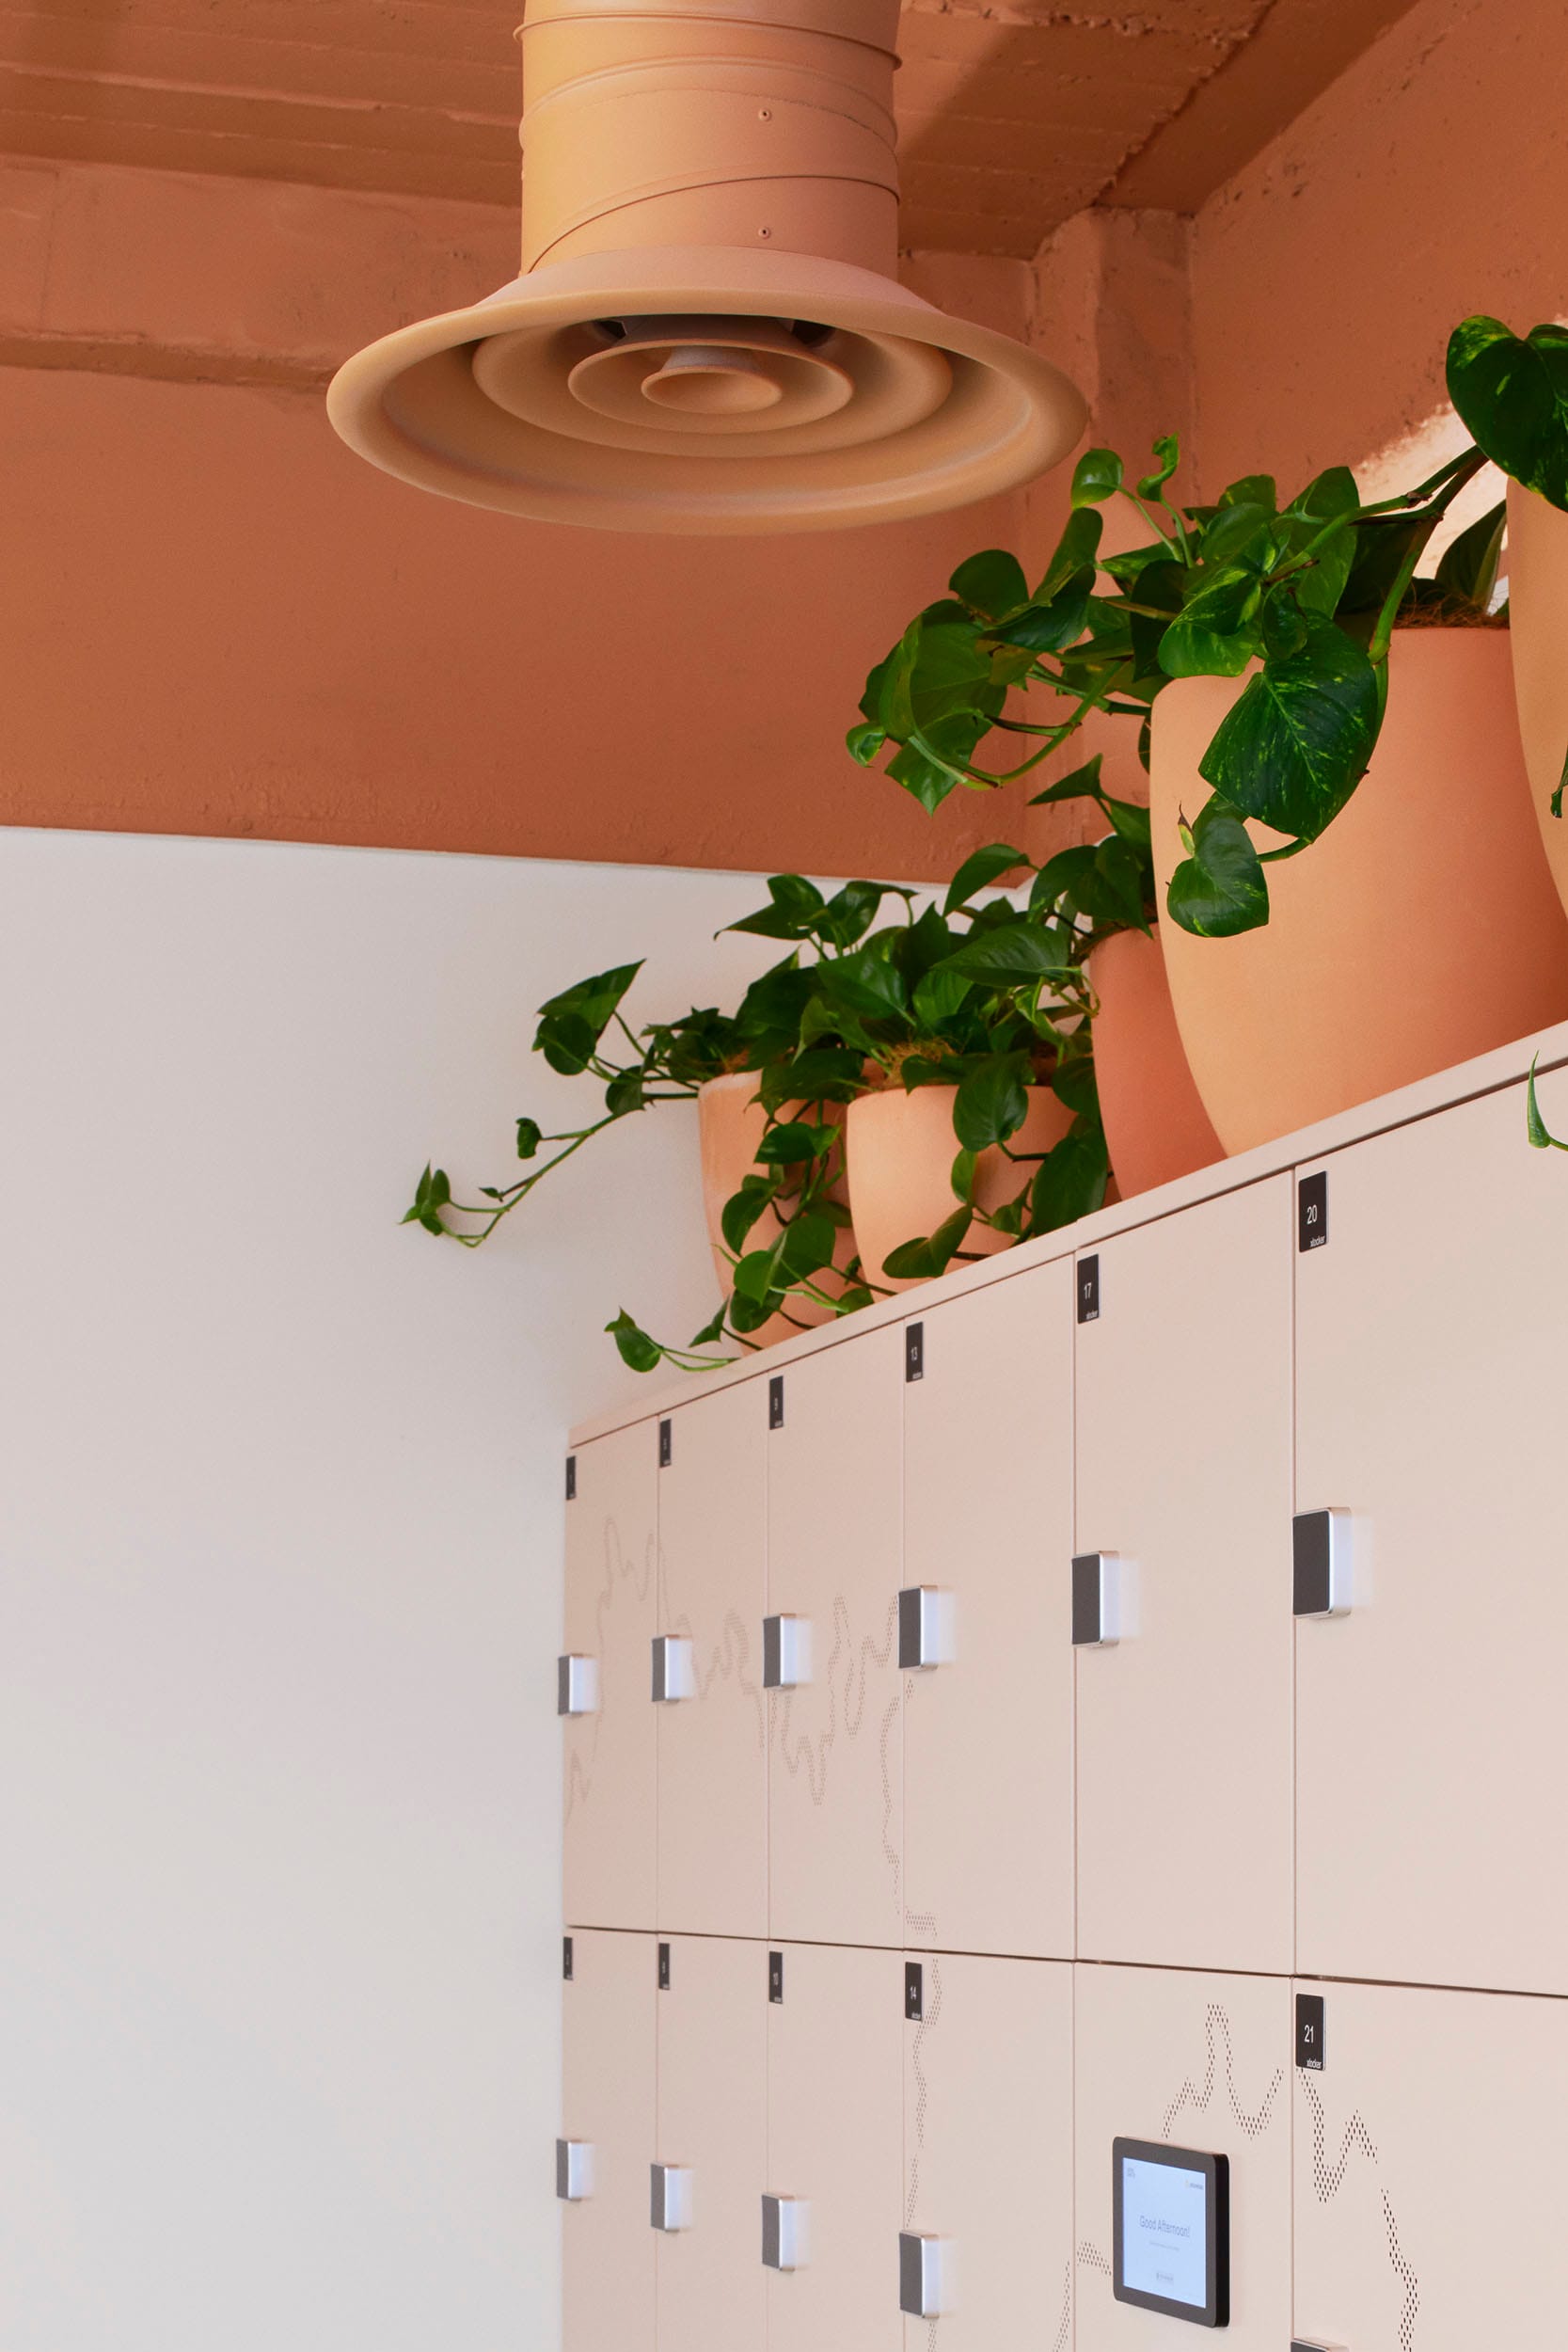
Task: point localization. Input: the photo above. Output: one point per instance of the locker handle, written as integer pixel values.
(1098, 1609)
(1321, 1564)
(786, 1653)
(670, 2196)
(786, 2232)
(576, 1686)
(674, 1670)
(574, 2171)
(924, 2264)
(926, 1628)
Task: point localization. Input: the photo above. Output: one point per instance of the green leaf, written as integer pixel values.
(1007, 955)
(785, 1146)
(803, 1248)
(1048, 627)
(1074, 1085)
(432, 1194)
(1468, 568)
(937, 997)
(1562, 788)
(1097, 476)
(866, 981)
(1297, 745)
(572, 1024)
(637, 1349)
(749, 1314)
(1132, 820)
(529, 1136)
(1536, 1128)
(921, 1261)
(1221, 888)
(625, 1092)
(1083, 785)
(740, 1211)
(1076, 550)
(992, 1101)
(1251, 489)
(992, 584)
(1512, 394)
(709, 1332)
(1216, 634)
(961, 1174)
(793, 906)
(1071, 1178)
(1114, 889)
(979, 871)
(864, 743)
(753, 1275)
(1167, 452)
(850, 912)
(1239, 531)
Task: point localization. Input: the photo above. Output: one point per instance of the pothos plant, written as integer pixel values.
(1309, 590)
(988, 994)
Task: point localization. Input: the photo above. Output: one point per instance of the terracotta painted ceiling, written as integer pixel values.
(1015, 113)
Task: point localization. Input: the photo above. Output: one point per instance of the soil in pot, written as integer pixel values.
(730, 1126)
(1156, 1127)
(901, 1149)
(1421, 929)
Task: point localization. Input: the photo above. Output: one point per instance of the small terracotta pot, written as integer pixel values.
(901, 1153)
(1421, 929)
(730, 1124)
(1538, 611)
(1156, 1127)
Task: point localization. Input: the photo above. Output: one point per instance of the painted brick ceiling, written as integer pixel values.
(1013, 116)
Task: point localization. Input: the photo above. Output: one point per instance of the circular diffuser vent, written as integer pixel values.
(708, 335)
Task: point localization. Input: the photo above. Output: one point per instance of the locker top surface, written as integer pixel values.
(1507, 1065)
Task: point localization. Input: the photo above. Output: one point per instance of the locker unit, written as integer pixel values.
(1429, 1374)
(607, 2110)
(834, 1542)
(712, 2132)
(611, 1620)
(1184, 1395)
(987, 2149)
(834, 2150)
(1428, 2212)
(1195, 2062)
(713, 1742)
(987, 1516)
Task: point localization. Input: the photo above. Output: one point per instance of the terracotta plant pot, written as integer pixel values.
(1538, 610)
(730, 1124)
(901, 1153)
(1156, 1126)
(1422, 928)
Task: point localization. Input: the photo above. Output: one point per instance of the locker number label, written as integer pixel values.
(915, 1990)
(1088, 1290)
(567, 1959)
(666, 1444)
(1312, 1211)
(775, 1977)
(664, 1967)
(1309, 2032)
(775, 1401)
(914, 1351)
(571, 1477)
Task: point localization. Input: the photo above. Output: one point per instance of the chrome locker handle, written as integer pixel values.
(1098, 1611)
(926, 1628)
(576, 1686)
(670, 2196)
(574, 2171)
(1321, 1564)
(924, 2267)
(786, 2232)
(786, 1653)
(674, 1670)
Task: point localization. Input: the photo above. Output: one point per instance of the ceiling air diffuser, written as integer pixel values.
(707, 334)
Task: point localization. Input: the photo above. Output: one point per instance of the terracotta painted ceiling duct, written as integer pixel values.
(707, 334)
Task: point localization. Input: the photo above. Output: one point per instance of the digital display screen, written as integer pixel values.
(1165, 2246)
(1171, 2221)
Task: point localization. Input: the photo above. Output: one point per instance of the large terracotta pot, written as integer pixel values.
(1156, 1127)
(901, 1153)
(1422, 928)
(730, 1124)
(1538, 609)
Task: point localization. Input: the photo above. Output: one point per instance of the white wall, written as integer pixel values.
(279, 1519)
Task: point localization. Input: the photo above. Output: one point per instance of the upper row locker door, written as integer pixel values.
(1183, 1447)
(1431, 1330)
(987, 1516)
(712, 1745)
(835, 1761)
(610, 1763)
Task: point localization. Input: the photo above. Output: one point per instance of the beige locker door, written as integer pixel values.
(712, 1746)
(987, 2149)
(1184, 1450)
(836, 1757)
(1430, 1405)
(988, 1519)
(712, 2124)
(1201, 2062)
(834, 2138)
(609, 2027)
(610, 1755)
(1428, 2166)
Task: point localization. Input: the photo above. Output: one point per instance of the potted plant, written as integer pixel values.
(1252, 640)
(974, 1012)
(1512, 392)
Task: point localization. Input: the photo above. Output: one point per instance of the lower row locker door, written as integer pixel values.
(1430, 1338)
(987, 1517)
(1429, 2171)
(712, 1720)
(712, 2145)
(988, 2154)
(834, 2147)
(610, 1832)
(608, 2028)
(1200, 2065)
(836, 1757)
(1186, 1800)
